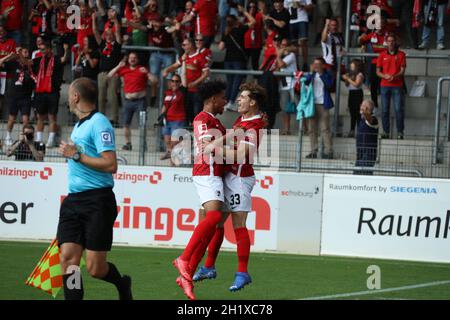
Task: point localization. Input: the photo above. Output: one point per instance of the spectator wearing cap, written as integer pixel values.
(110, 56)
(12, 11)
(233, 41)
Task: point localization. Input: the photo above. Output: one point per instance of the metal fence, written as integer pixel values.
(410, 157)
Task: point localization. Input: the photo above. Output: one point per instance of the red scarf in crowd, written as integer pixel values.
(44, 77)
(108, 49)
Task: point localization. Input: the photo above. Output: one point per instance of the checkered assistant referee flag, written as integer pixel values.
(47, 275)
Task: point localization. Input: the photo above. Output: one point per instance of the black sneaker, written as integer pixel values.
(127, 147)
(125, 292)
(385, 136)
(312, 155)
(400, 136)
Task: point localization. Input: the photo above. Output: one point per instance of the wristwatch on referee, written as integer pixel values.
(76, 156)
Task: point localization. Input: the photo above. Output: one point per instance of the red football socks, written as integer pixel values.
(243, 248)
(203, 232)
(214, 247)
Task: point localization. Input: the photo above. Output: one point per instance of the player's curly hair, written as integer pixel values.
(257, 93)
(210, 88)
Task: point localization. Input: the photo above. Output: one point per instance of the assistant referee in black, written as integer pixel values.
(88, 213)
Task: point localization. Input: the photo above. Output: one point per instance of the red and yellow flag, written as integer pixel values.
(47, 275)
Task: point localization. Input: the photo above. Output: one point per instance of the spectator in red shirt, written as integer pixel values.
(206, 20)
(12, 11)
(173, 112)
(197, 71)
(135, 78)
(253, 36)
(391, 67)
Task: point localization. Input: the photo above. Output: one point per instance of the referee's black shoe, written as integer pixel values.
(125, 292)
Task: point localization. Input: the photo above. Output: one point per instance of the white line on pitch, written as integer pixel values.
(362, 293)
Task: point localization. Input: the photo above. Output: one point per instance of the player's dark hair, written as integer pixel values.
(257, 93)
(210, 88)
(87, 90)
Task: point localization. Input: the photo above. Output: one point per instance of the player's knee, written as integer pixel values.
(95, 270)
(67, 260)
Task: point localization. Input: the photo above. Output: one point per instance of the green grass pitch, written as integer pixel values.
(275, 276)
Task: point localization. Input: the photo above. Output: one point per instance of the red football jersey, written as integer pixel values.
(174, 103)
(206, 125)
(135, 80)
(206, 11)
(195, 65)
(252, 128)
(391, 64)
(206, 54)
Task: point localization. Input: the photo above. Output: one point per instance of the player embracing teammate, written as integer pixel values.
(236, 148)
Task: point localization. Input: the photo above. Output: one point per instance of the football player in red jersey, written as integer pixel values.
(208, 180)
(238, 181)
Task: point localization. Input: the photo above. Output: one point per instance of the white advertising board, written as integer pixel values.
(300, 213)
(156, 206)
(384, 217)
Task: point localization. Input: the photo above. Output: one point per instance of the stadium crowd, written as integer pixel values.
(265, 35)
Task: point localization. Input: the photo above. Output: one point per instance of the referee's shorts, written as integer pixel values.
(87, 218)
